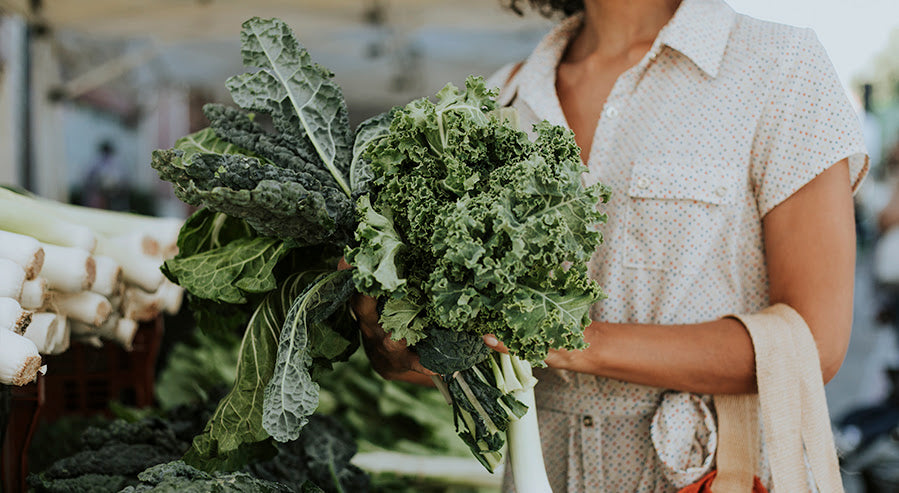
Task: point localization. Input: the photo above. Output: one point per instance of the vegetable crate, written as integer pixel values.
(81, 381)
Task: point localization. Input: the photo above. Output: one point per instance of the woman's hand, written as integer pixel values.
(392, 359)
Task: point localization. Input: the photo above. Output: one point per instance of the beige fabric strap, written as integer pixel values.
(738, 446)
(793, 410)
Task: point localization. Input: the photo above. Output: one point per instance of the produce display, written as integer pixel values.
(142, 455)
(451, 216)
(68, 271)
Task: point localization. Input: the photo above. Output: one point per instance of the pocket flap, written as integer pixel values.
(716, 185)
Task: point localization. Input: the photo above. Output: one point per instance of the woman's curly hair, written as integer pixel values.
(548, 8)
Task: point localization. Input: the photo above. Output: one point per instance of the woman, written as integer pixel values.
(732, 153)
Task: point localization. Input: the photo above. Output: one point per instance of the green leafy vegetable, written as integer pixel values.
(472, 229)
(235, 432)
(291, 396)
(448, 351)
(178, 477)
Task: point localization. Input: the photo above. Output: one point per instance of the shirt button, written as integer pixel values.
(642, 182)
(652, 56)
(721, 191)
(611, 111)
(588, 421)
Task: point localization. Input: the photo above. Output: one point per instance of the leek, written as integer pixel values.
(69, 270)
(35, 294)
(23, 250)
(19, 359)
(12, 278)
(12, 316)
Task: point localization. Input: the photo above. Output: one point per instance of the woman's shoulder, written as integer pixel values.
(772, 41)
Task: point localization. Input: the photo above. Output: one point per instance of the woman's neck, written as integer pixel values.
(614, 27)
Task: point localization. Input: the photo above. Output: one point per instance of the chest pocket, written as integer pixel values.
(678, 215)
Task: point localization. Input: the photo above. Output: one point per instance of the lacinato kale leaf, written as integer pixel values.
(235, 433)
(178, 477)
(291, 395)
(305, 104)
(447, 351)
(293, 183)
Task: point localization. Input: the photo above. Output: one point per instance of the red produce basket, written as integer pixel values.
(82, 381)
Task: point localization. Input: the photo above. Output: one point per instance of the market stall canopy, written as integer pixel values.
(382, 52)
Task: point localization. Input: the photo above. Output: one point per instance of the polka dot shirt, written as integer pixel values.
(724, 118)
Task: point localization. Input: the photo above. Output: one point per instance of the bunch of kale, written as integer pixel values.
(447, 210)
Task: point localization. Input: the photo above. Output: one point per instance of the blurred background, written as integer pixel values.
(88, 88)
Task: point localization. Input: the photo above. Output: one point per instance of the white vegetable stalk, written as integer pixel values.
(109, 275)
(13, 317)
(118, 329)
(171, 296)
(19, 359)
(140, 305)
(35, 294)
(69, 270)
(31, 217)
(42, 330)
(86, 306)
(137, 242)
(137, 268)
(23, 250)
(164, 230)
(12, 277)
(523, 437)
(60, 343)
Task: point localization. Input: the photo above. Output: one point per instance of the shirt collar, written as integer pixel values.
(700, 30)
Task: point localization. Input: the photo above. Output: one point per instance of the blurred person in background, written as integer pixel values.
(106, 182)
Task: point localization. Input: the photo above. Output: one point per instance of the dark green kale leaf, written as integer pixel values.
(229, 273)
(291, 396)
(305, 104)
(235, 435)
(112, 457)
(446, 351)
(238, 127)
(178, 477)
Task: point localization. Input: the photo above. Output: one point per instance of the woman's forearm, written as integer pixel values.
(708, 358)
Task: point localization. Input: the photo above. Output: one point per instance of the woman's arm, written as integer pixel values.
(810, 255)
(889, 216)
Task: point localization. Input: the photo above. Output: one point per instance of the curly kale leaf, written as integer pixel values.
(376, 257)
(495, 230)
(367, 132)
(404, 318)
(447, 351)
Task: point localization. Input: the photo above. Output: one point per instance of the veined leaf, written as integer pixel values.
(226, 274)
(403, 319)
(367, 132)
(235, 433)
(299, 94)
(291, 395)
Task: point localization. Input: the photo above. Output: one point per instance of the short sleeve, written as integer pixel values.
(806, 126)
